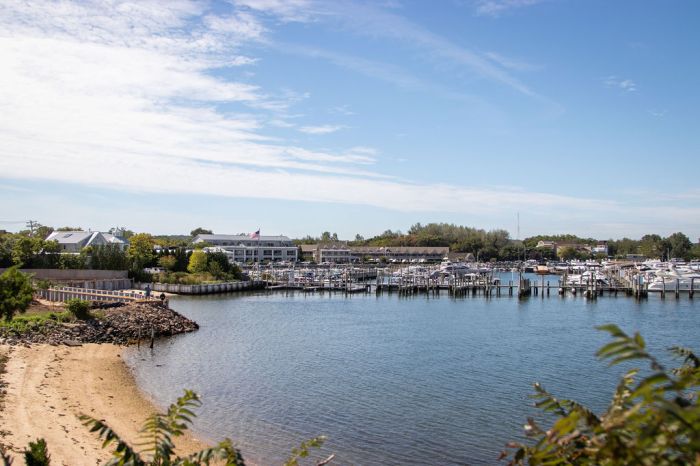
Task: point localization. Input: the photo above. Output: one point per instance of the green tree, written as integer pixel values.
(24, 249)
(16, 292)
(622, 247)
(653, 421)
(327, 237)
(679, 245)
(651, 246)
(198, 262)
(221, 259)
(200, 231)
(42, 231)
(567, 253)
(695, 251)
(109, 257)
(167, 262)
(182, 258)
(140, 252)
(215, 269)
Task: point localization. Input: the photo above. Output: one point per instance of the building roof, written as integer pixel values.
(404, 249)
(71, 237)
(209, 238)
(110, 238)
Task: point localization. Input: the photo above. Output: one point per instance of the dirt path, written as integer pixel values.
(49, 386)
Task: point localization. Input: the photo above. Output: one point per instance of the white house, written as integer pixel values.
(243, 248)
(75, 241)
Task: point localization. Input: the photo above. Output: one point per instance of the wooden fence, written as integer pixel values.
(64, 293)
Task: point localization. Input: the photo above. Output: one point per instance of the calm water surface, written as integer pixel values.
(392, 380)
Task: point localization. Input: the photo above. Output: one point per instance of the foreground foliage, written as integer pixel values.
(652, 421)
(16, 292)
(156, 445)
(79, 308)
(37, 454)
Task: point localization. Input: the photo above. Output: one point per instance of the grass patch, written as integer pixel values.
(24, 323)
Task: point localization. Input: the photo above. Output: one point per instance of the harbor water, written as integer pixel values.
(393, 380)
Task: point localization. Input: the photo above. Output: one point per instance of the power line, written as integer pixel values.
(31, 224)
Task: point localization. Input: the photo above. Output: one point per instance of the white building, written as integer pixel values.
(75, 241)
(242, 248)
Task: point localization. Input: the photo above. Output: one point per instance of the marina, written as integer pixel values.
(459, 279)
(391, 379)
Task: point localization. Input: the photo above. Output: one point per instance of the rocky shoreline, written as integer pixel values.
(120, 325)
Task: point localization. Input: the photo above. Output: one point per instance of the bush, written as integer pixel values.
(43, 284)
(157, 447)
(37, 454)
(655, 421)
(79, 308)
(16, 292)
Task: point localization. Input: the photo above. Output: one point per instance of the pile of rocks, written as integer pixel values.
(120, 325)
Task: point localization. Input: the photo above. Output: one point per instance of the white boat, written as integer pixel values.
(586, 278)
(673, 279)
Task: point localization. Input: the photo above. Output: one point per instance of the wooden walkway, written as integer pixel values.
(64, 293)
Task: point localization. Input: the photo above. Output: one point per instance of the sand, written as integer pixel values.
(48, 387)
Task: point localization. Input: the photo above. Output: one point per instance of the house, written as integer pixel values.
(341, 253)
(337, 253)
(403, 253)
(600, 248)
(75, 241)
(243, 248)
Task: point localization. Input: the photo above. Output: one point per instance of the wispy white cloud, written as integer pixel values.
(511, 63)
(496, 8)
(625, 85)
(321, 129)
(126, 96)
(286, 10)
(373, 21)
(342, 110)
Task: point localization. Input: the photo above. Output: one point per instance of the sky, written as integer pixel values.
(302, 116)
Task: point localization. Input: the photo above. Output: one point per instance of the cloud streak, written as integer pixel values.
(321, 129)
(495, 8)
(132, 96)
(625, 85)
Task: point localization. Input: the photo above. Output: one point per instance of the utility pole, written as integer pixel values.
(31, 224)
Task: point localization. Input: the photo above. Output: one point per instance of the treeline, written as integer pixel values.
(497, 244)
(32, 251)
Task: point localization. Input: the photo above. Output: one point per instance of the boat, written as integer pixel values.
(673, 278)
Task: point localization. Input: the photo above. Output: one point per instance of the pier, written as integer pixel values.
(406, 282)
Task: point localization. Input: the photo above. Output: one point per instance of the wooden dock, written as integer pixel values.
(64, 293)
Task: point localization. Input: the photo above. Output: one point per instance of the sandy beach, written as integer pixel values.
(48, 387)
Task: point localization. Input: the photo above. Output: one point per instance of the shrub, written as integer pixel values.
(79, 308)
(16, 292)
(655, 421)
(157, 439)
(37, 454)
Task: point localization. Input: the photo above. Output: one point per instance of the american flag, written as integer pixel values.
(255, 235)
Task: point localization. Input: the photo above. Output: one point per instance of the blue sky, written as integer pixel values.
(302, 116)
